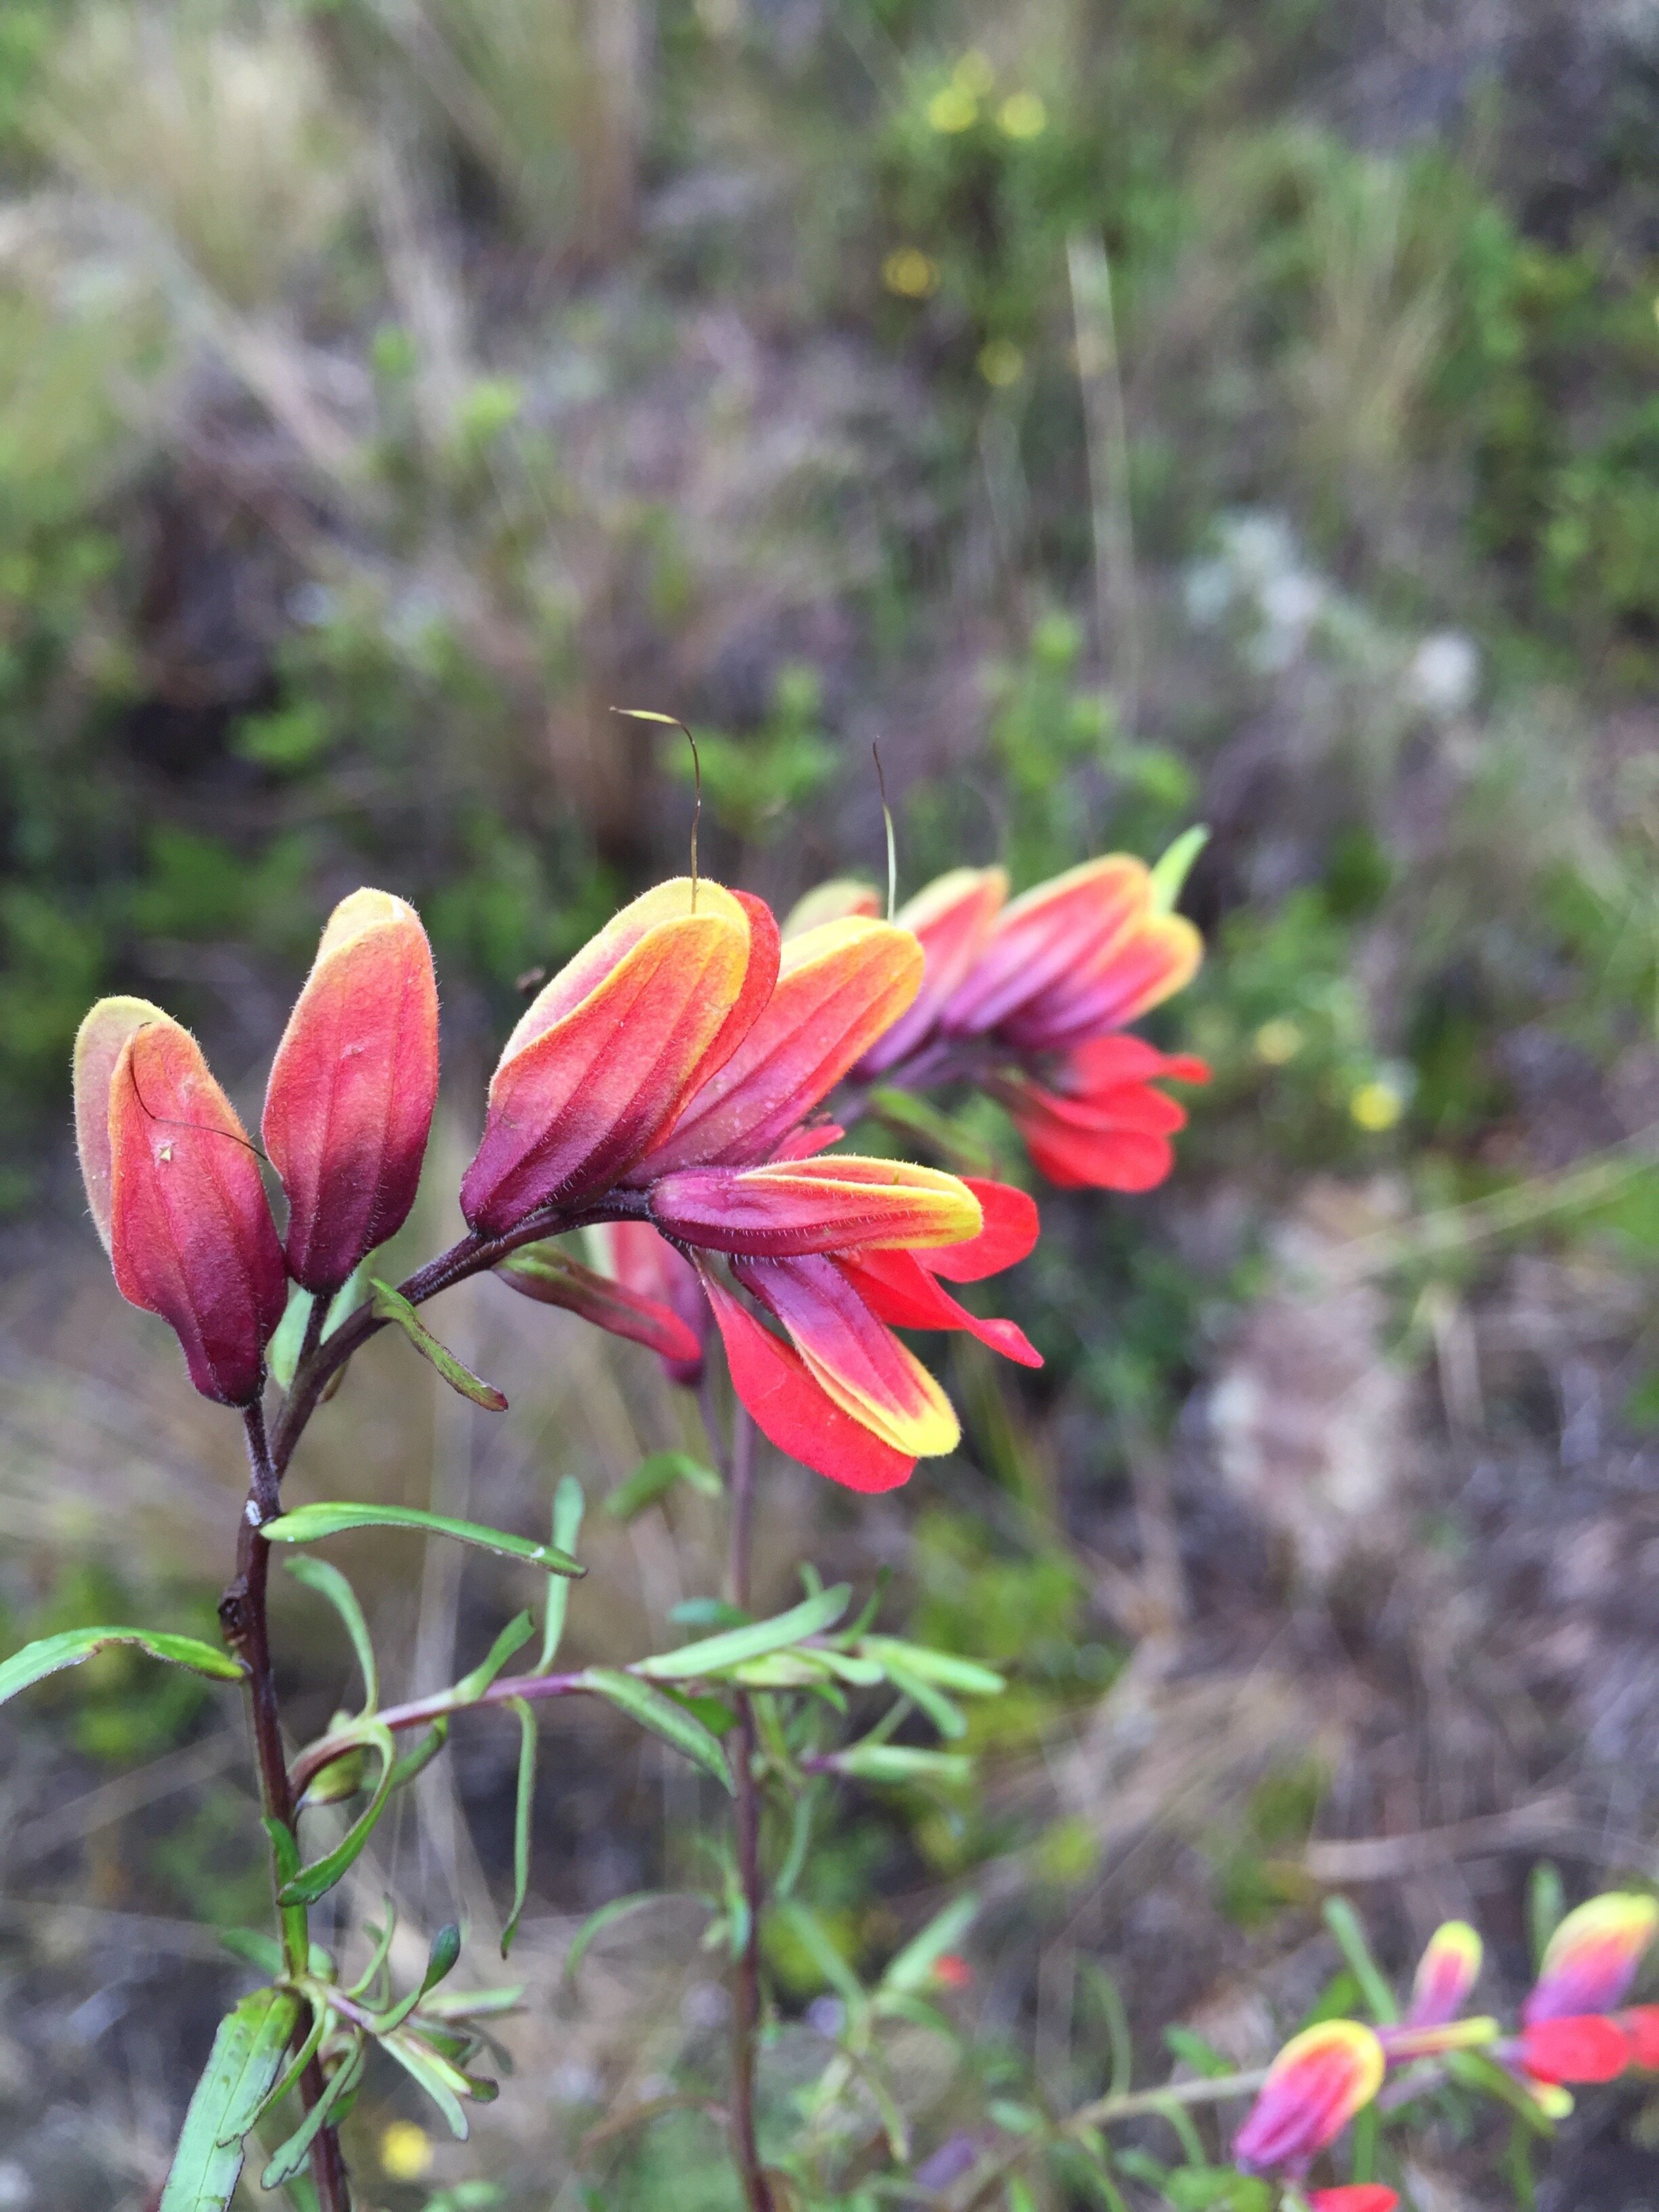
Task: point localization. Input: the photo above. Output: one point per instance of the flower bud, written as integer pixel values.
(174, 1187)
(1591, 1960)
(1315, 2086)
(1446, 1974)
(349, 1102)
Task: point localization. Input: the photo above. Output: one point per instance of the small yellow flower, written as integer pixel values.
(1279, 1041)
(952, 110)
(405, 2151)
(1376, 1107)
(1001, 363)
(974, 75)
(910, 272)
(1023, 115)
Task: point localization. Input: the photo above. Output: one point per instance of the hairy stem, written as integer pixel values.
(243, 1617)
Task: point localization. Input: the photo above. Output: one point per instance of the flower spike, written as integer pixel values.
(174, 1187)
(348, 1106)
(1315, 2086)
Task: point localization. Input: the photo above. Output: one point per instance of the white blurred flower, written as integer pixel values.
(1443, 675)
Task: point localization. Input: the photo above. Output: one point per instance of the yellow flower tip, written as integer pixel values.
(405, 2151)
(1001, 363)
(910, 273)
(953, 111)
(1279, 1041)
(974, 75)
(1376, 1107)
(1023, 115)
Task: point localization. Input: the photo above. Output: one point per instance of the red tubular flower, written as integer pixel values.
(604, 1061)
(1029, 999)
(1591, 1960)
(174, 1189)
(348, 1106)
(1315, 2086)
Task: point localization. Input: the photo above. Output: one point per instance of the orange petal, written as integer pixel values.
(191, 1234)
(1591, 1960)
(791, 1409)
(852, 1356)
(601, 1064)
(839, 986)
(1045, 935)
(951, 919)
(348, 1106)
(831, 1204)
(1315, 2086)
(98, 1046)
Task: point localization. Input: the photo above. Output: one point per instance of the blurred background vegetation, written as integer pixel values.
(1130, 412)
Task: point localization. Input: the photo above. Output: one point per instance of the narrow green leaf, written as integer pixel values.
(663, 1717)
(246, 2059)
(435, 2076)
(567, 1504)
(308, 1524)
(309, 1883)
(1343, 1922)
(287, 2158)
(282, 1353)
(297, 2064)
(817, 1941)
(735, 1645)
(523, 1807)
(410, 1764)
(897, 1762)
(709, 1613)
(1170, 871)
(391, 1305)
(517, 1633)
(912, 1968)
(950, 1720)
(330, 1583)
(618, 1909)
(53, 1653)
(654, 1478)
(950, 1671)
(378, 1955)
(1547, 1905)
(444, 1950)
(252, 1945)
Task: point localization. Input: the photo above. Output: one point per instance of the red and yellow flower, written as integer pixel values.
(1031, 997)
(1318, 2082)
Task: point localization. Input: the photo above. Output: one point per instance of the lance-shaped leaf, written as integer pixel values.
(654, 1477)
(72, 1645)
(442, 1952)
(621, 1908)
(304, 1885)
(245, 2060)
(523, 1806)
(607, 1056)
(900, 1763)
(516, 1634)
(838, 988)
(836, 1203)
(330, 1583)
(391, 1305)
(348, 1106)
(1167, 874)
(308, 1524)
(912, 1968)
(289, 2157)
(663, 1717)
(568, 1505)
(174, 1186)
(713, 1654)
(552, 1277)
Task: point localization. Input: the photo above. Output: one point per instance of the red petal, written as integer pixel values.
(852, 1356)
(348, 1106)
(792, 1412)
(191, 1234)
(1106, 1063)
(838, 988)
(1582, 2047)
(1100, 1145)
(574, 1103)
(835, 1204)
(898, 1288)
(1045, 934)
(1124, 978)
(542, 1272)
(1640, 2024)
(950, 920)
(648, 1264)
(1009, 1234)
(1354, 2196)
